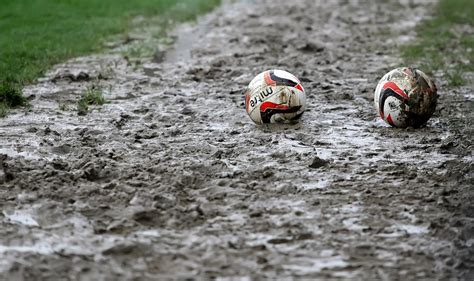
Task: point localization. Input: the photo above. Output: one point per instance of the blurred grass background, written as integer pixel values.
(35, 34)
(445, 42)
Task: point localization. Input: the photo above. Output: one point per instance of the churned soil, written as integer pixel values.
(170, 178)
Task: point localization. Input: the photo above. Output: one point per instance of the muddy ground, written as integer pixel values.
(171, 178)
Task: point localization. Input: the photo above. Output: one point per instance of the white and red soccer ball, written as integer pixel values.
(405, 97)
(275, 96)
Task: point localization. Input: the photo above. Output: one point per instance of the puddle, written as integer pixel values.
(21, 217)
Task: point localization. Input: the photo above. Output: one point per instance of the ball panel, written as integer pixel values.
(275, 96)
(286, 75)
(283, 106)
(405, 97)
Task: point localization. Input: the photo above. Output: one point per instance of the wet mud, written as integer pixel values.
(171, 178)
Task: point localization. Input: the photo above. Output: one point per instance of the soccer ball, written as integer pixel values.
(405, 97)
(275, 96)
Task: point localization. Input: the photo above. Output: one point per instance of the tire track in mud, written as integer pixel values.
(171, 178)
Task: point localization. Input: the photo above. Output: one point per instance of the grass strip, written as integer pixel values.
(445, 42)
(36, 34)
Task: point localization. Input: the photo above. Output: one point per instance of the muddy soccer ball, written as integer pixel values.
(275, 96)
(405, 97)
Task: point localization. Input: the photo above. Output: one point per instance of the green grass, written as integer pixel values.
(444, 42)
(3, 110)
(455, 78)
(92, 96)
(35, 34)
(10, 96)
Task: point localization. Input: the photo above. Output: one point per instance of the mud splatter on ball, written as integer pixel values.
(405, 97)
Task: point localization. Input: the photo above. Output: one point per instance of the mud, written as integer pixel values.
(170, 178)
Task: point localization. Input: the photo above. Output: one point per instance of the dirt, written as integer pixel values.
(171, 178)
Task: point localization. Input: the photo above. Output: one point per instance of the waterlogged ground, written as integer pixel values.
(170, 178)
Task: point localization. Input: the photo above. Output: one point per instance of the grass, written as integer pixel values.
(456, 78)
(92, 96)
(3, 110)
(10, 96)
(445, 42)
(36, 34)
